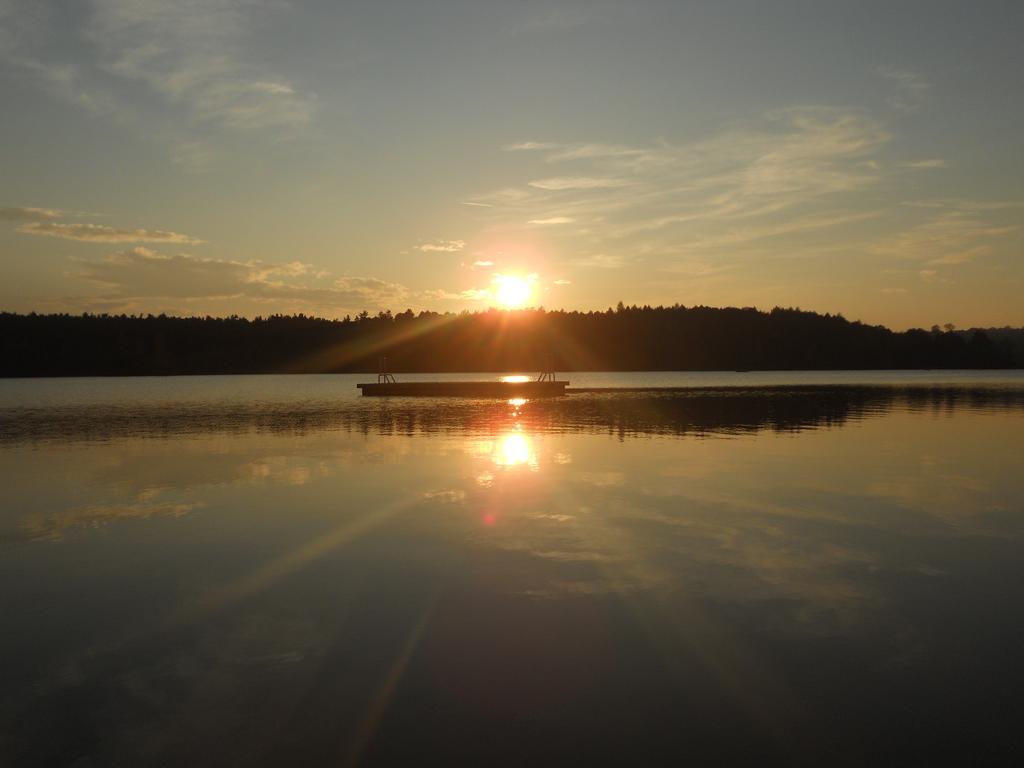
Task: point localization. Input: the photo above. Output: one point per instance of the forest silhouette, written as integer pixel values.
(621, 339)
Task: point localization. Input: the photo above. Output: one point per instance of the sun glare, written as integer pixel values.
(514, 450)
(513, 291)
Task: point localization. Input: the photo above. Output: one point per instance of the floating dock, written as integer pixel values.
(500, 389)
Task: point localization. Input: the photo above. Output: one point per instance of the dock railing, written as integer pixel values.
(383, 377)
(548, 373)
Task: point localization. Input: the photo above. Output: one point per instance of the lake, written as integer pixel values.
(751, 568)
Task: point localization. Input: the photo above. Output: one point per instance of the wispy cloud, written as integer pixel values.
(596, 150)
(141, 273)
(577, 182)
(946, 237)
(528, 146)
(101, 233)
(194, 54)
(777, 228)
(442, 246)
(910, 89)
(32, 46)
(44, 222)
(553, 220)
(599, 260)
(925, 164)
(789, 172)
(698, 268)
(483, 263)
(276, 89)
(29, 214)
(175, 72)
(268, 272)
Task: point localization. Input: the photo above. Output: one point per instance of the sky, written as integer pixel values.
(253, 157)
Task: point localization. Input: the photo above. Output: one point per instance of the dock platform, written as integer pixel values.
(499, 389)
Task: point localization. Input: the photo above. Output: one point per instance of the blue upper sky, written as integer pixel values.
(260, 156)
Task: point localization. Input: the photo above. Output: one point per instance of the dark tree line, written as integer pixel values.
(626, 338)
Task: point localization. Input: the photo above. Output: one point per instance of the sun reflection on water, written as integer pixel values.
(511, 448)
(514, 449)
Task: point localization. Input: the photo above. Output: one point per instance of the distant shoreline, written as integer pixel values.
(370, 375)
(626, 339)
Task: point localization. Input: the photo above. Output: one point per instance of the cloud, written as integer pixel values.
(144, 273)
(947, 236)
(42, 222)
(697, 268)
(483, 263)
(789, 173)
(101, 233)
(442, 246)
(28, 214)
(911, 88)
(787, 159)
(809, 182)
(778, 227)
(192, 155)
(562, 282)
(437, 294)
(599, 260)
(196, 55)
(279, 89)
(476, 204)
(528, 146)
(560, 152)
(553, 220)
(291, 269)
(171, 71)
(577, 182)
(33, 47)
(137, 274)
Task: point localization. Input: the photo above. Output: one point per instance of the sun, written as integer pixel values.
(512, 291)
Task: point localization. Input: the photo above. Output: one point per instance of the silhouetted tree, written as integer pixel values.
(623, 338)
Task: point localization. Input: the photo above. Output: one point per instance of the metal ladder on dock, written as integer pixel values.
(548, 374)
(383, 377)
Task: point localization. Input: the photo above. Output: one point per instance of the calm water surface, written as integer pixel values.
(800, 569)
